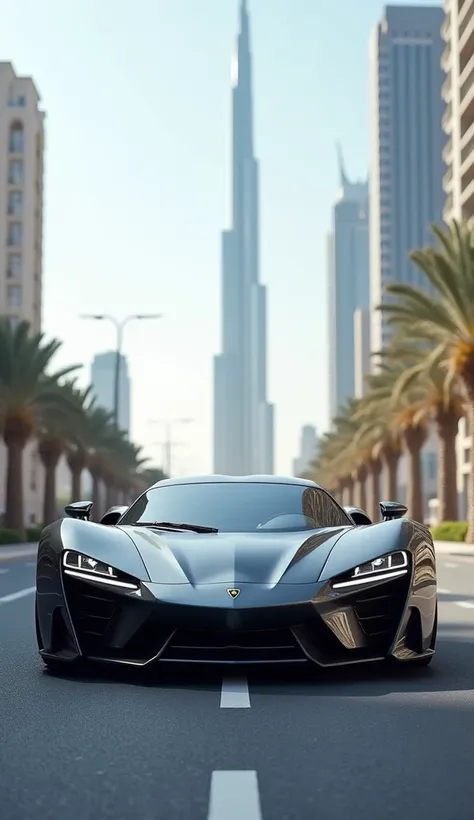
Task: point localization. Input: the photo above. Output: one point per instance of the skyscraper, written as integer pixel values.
(348, 273)
(21, 237)
(309, 443)
(406, 192)
(103, 384)
(243, 418)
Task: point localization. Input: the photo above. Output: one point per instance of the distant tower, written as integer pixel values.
(243, 418)
(103, 382)
(348, 280)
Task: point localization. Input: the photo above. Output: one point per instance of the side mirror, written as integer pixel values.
(113, 516)
(359, 517)
(80, 509)
(391, 510)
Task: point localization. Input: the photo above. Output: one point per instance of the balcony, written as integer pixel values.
(466, 75)
(465, 8)
(447, 120)
(466, 42)
(448, 152)
(466, 108)
(467, 200)
(446, 27)
(448, 208)
(447, 89)
(446, 59)
(448, 181)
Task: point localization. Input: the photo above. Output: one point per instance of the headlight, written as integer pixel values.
(389, 566)
(87, 568)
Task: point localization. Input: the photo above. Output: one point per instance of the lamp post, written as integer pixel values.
(119, 327)
(168, 440)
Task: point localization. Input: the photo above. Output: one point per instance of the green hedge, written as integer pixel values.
(9, 537)
(33, 533)
(450, 531)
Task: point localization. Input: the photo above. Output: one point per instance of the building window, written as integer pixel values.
(16, 142)
(14, 266)
(14, 297)
(15, 172)
(15, 234)
(17, 102)
(15, 202)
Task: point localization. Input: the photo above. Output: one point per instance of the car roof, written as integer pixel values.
(236, 479)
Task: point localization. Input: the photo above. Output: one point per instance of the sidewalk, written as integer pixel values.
(454, 548)
(10, 551)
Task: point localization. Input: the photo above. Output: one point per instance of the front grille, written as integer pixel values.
(255, 646)
(92, 611)
(379, 611)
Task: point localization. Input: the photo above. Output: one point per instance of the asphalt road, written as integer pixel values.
(360, 745)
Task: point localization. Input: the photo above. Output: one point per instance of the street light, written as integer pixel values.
(119, 327)
(168, 442)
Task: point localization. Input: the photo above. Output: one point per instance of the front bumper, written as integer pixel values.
(263, 625)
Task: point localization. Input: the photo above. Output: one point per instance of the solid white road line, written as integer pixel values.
(234, 796)
(15, 595)
(235, 694)
(465, 604)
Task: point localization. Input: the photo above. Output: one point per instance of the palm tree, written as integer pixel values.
(76, 444)
(408, 417)
(436, 390)
(26, 395)
(57, 427)
(444, 317)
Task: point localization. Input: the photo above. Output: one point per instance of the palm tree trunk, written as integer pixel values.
(14, 511)
(96, 497)
(350, 491)
(390, 457)
(447, 428)
(470, 505)
(109, 495)
(414, 438)
(375, 468)
(76, 484)
(49, 499)
(361, 487)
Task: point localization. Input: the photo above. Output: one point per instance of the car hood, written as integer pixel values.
(234, 558)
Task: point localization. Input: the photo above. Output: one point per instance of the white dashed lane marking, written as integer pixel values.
(465, 604)
(235, 694)
(3, 571)
(450, 565)
(444, 591)
(14, 596)
(234, 796)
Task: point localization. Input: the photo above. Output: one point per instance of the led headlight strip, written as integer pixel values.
(381, 569)
(88, 569)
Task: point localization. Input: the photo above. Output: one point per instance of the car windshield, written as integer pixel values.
(239, 507)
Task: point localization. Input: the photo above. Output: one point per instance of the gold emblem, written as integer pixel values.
(233, 592)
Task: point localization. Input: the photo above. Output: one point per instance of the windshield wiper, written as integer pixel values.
(169, 525)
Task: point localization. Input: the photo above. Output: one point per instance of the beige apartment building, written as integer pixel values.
(21, 235)
(458, 123)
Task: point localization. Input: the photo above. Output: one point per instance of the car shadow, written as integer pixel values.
(452, 669)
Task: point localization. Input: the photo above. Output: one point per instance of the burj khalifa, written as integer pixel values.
(243, 418)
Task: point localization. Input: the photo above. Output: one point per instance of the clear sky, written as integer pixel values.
(137, 95)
